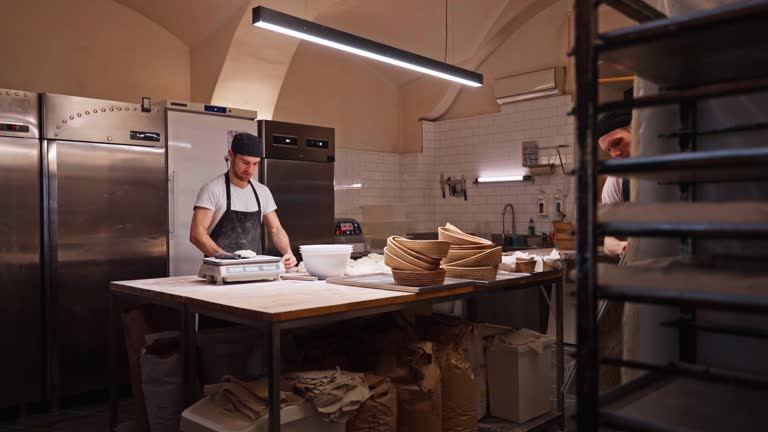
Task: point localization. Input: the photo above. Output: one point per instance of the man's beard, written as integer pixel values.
(242, 177)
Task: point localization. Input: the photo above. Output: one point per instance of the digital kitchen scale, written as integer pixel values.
(261, 267)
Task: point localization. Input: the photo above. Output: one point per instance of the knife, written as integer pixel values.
(464, 186)
(442, 184)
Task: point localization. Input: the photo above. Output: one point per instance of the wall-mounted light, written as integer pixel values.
(503, 179)
(348, 186)
(317, 33)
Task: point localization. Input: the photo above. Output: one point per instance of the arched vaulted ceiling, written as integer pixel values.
(189, 20)
(234, 63)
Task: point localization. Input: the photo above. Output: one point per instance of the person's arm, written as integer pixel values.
(613, 246)
(279, 238)
(198, 232)
(611, 194)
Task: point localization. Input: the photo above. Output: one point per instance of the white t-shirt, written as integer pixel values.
(612, 191)
(213, 195)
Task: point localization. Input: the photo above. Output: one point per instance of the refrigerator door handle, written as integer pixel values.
(172, 204)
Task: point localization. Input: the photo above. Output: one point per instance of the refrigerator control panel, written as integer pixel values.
(10, 127)
(285, 140)
(298, 142)
(316, 143)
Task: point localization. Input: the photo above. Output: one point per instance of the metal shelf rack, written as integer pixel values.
(708, 54)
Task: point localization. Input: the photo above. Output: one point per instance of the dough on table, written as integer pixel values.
(246, 253)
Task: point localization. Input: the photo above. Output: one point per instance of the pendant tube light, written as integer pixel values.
(293, 26)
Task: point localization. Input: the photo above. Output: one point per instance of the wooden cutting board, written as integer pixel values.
(385, 281)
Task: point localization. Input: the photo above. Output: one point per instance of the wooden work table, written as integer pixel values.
(285, 304)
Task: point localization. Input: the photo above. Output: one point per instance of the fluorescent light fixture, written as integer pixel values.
(292, 26)
(503, 179)
(348, 186)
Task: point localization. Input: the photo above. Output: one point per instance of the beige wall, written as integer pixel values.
(94, 48)
(540, 43)
(534, 37)
(327, 87)
(208, 57)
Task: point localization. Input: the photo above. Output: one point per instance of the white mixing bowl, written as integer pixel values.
(326, 261)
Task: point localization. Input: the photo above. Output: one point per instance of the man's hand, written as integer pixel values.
(289, 261)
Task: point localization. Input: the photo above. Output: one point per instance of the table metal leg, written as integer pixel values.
(188, 349)
(196, 391)
(274, 378)
(114, 349)
(560, 351)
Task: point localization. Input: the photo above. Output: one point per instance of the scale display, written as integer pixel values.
(251, 268)
(262, 267)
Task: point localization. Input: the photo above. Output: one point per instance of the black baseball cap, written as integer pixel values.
(613, 120)
(247, 145)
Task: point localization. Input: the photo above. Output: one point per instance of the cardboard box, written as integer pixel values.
(520, 379)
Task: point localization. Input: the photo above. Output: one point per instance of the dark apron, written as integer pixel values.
(624, 190)
(238, 230)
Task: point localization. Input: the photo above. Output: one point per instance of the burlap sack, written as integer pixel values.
(419, 403)
(470, 338)
(379, 412)
(416, 376)
(137, 323)
(459, 398)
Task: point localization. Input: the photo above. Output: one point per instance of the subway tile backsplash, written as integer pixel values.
(489, 145)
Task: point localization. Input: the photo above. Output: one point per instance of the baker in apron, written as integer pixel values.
(615, 138)
(238, 230)
(231, 208)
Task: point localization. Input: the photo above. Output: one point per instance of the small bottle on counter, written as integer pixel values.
(531, 228)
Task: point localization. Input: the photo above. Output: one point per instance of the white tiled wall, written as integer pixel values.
(379, 173)
(489, 145)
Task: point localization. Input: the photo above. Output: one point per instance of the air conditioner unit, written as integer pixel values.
(531, 85)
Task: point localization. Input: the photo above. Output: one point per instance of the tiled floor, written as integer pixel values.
(88, 418)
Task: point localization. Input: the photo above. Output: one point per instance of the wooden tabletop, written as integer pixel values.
(285, 300)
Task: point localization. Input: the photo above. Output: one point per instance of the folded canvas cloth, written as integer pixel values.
(250, 399)
(335, 394)
(523, 337)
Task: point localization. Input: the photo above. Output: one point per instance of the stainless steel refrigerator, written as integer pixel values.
(21, 301)
(298, 169)
(198, 139)
(104, 173)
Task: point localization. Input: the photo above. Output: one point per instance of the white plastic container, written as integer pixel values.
(326, 261)
(520, 380)
(203, 416)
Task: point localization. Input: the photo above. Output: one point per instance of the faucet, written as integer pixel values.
(503, 216)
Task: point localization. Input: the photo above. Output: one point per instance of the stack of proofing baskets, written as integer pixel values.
(469, 257)
(416, 262)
